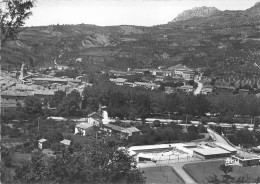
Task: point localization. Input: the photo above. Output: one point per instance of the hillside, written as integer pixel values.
(225, 44)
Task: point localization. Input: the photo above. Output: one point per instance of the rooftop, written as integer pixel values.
(66, 142)
(114, 127)
(225, 146)
(186, 87)
(245, 155)
(206, 150)
(133, 129)
(56, 79)
(119, 72)
(42, 140)
(17, 93)
(225, 87)
(43, 92)
(117, 80)
(95, 115)
(84, 125)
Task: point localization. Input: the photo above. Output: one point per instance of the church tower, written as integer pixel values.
(105, 119)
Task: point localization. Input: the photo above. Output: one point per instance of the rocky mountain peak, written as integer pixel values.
(196, 12)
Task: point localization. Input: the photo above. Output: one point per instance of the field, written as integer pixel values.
(161, 175)
(200, 171)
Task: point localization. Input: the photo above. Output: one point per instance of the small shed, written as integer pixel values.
(42, 144)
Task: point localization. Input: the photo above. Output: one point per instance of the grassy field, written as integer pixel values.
(201, 171)
(162, 175)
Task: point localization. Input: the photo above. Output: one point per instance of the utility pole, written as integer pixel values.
(38, 124)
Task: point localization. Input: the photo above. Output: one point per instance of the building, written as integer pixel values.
(140, 71)
(10, 99)
(61, 67)
(206, 152)
(127, 133)
(147, 85)
(43, 144)
(243, 91)
(180, 69)
(207, 90)
(130, 84)
(246, 160)
(224, 90)
(66, 142)
(47, 81)
(186, 88)
(114, 129)
(188, 74)
(94, 119)
(117, 73)
(226, 147)
(131, 132)
(118, 81)
(162, 73)
(42, 94)
(84, 129)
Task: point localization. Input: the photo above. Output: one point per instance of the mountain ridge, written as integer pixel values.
(196, 12)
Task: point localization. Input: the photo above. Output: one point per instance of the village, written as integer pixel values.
(16, 86)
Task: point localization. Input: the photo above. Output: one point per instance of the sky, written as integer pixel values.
(121, 12)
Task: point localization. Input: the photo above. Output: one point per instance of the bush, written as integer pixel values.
(14, 133)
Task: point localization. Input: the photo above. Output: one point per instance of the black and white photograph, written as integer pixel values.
(130, 91)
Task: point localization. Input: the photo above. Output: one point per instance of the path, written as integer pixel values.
(182, 173)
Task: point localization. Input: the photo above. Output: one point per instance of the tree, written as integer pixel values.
(170, 135)
(142, 105)
(226, 177)
(32, 105)
(193, 129)
(54, 136)
(57, 98)
(201, 128)
(12, 17)
(226, 169)
(156, 123)
(99, 161)
(70, 104)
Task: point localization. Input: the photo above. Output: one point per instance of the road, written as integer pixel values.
(200, 85)
(199, 88)
(218, 137)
